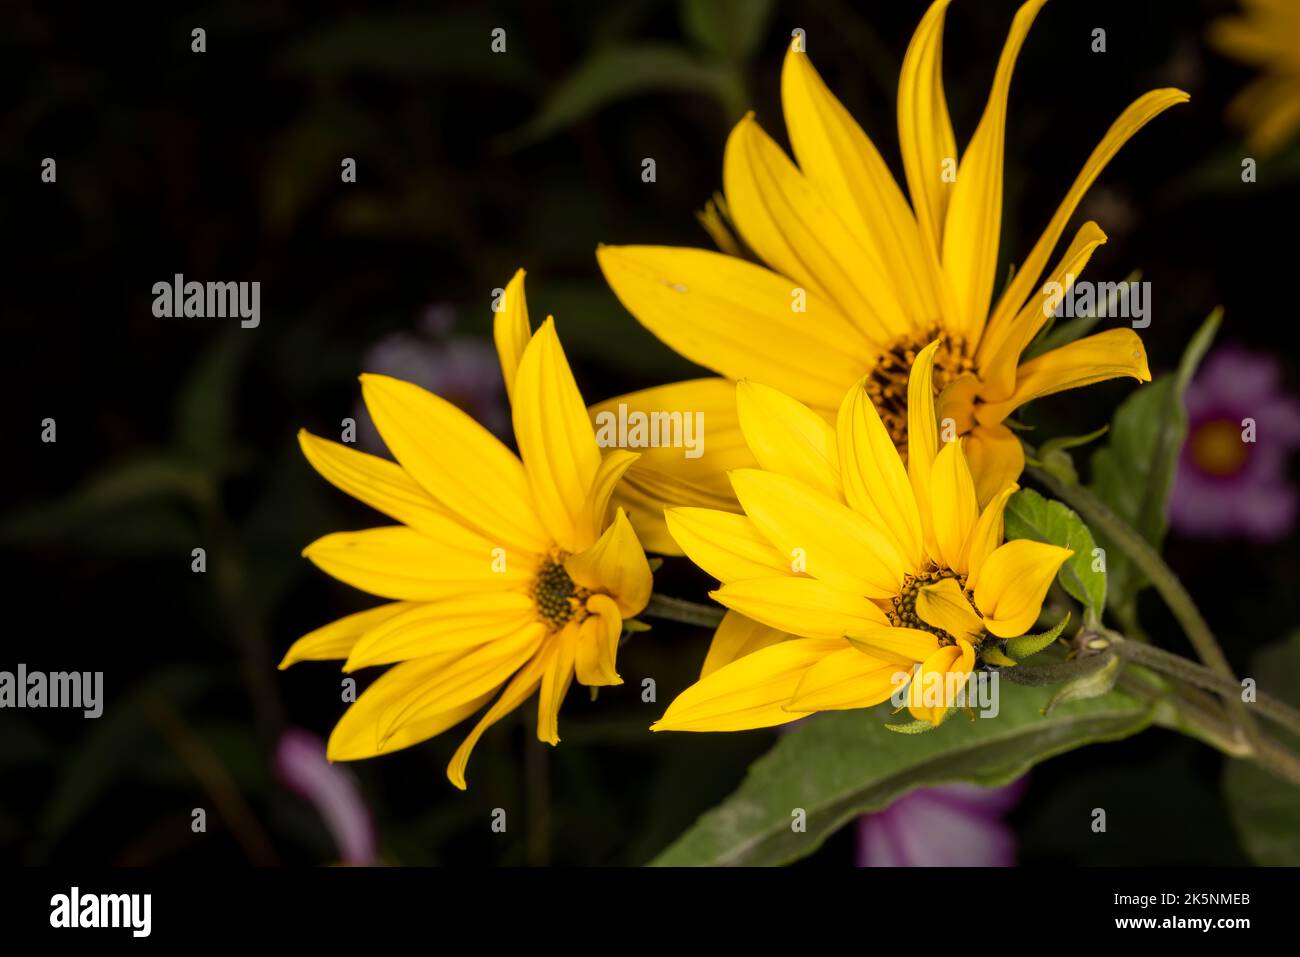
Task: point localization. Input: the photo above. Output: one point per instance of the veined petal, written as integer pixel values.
(953, 506)
(616, 564)
(922, 436)
(1106, 355)
(1001, 346)
(986, 537)
(751, 692)
(845, 166)
(453, 624)
(996, 459)
(944, 605)
(511, 331)
(726, 545)
(788, 223)
(597, 646)
(1013, 582)
(974, 217)
(735, 637)
(460, 463)
(827, 540)
(874, 479)
(901, 645)
(924, 128)
(555, 683)
(845, 679)
(337, 639)
(801, 606)
(1144, 109)
(396, 562)
(523, 684)
(595, 510)
(752, 329)
(356, 736)
(789, 438)
(555, 437)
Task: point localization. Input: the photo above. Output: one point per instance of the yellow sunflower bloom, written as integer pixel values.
(506, 573)
(857, 280)
(870, 565)
(1264, 35)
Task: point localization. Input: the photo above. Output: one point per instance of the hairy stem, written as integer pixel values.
(680, 610)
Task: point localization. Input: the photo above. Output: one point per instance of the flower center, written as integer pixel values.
(557, 597)
(904, 613)
(887, 384)
(1216, 448)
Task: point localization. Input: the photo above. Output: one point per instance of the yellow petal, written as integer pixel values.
(616, 565)
(555, 683)
(356, 736)
(844, 165)
(974, 217)
(595, 510)
(453, 624)
(937, 684)
(1144, 109)
(555, 437)
(753, 328)
(1013, 582)
(511, 331)
(922, 436)
(1000, 348)
(953, 506)
(823, 538)
(751, 692)
(801, 606)
(944, 605)
(727, 546)
(460, 463)
(1107, 355)
(337, 639)
(847, 679)
(736, 637)
(523, 684)
(874, 479)
(597, 646)
(996, 459)
(924, 128)
(396, 562)
(986, 537)
(789, 224)
(788, 437)
(902, 645)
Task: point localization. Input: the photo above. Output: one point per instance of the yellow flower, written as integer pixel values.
(857, 280)
(1265, 35)
(501, 572)
(872, 565)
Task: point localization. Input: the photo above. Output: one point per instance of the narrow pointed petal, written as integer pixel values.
(801, 606)
(450, 625)
(555, 683)
(726, 545)
(615, 564)
(903, 645)
(1013, 582)
(555, 437)
(953, 506)
(511, 331)
(735, 637)
(523, 684)
(924, 128)
(595, 510)
(337, 639)
(922, 437)
(597, 646)
(996, 459)
(751, 692)
(457, 461)
(789, 438)
(936, 685)
(986, 537)
(847, 679)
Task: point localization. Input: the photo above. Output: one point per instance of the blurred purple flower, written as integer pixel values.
(463, 371)
(1232, 480)
(301, 766)
(955, 825)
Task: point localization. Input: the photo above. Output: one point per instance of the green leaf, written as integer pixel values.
(613, 74)
(1029, 515)
(844, 763)
(1028, 645)
(1134, 471)
(730, 29)
(1092, 685)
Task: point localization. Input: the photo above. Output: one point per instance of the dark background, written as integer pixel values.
(174, 434)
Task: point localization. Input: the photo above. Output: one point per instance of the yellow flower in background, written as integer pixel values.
(857, 280)
(1265, 35)
(504, 575)
(872, 565)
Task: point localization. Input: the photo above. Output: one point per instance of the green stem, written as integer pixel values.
(685, 612)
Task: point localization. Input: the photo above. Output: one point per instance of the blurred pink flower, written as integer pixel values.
(955, 825)
(301, 766)
(1232, 477)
